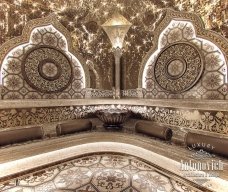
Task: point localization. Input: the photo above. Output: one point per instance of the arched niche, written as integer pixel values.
(186, 61)
(42, 64)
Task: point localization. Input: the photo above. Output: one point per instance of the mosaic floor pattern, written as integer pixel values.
(98, 173)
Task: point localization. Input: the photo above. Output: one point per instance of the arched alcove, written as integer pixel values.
(186, 61)
(42, 64)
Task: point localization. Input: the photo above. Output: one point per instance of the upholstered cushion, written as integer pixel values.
(208, 143)
(21, 135)
(73, 126)
(153, 129)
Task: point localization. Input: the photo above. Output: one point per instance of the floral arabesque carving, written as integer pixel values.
(178, 67)
(206, 120)
(47, 69)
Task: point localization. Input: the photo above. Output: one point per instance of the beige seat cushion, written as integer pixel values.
(21, 135)
(207, 143)
(153, 129)
(73, 126)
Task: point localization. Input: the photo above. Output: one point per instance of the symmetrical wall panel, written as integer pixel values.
(187, 61)
(200, 119)
(43, 67)
(96, 173)
(83, 19)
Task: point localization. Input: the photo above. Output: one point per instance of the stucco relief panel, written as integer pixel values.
(210, 84)
(43, 68)
(205, 120)
(91, 176)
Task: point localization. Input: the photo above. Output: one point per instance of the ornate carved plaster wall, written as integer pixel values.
(83, 17)
(186, 61)
(41, 64)
(127, 173)
(193, 119)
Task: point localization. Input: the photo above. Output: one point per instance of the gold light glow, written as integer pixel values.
(116, 28)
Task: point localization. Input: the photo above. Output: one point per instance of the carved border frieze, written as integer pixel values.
(195, 119)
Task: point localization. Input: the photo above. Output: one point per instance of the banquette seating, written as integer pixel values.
(21, 135)
(73, 126)
(149, 128)
(153, 129)
(207, 143)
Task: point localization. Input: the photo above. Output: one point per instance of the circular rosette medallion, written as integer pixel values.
(47, 69)
(178, 67)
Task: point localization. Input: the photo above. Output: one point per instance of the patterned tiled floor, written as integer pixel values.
(97, 173)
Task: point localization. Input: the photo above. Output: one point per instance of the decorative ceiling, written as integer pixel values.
(97, 173)
(84, 17)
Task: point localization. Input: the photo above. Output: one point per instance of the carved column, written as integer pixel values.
(117, 54)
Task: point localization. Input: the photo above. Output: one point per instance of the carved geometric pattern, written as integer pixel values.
(206, 120)
(42, 68)
(171, 82)
(47, 69)
(111, 180)
(178, 67)
(84, 177)
(147, 180)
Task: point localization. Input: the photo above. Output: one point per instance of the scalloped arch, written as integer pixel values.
(175, 20)
(24, 38)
